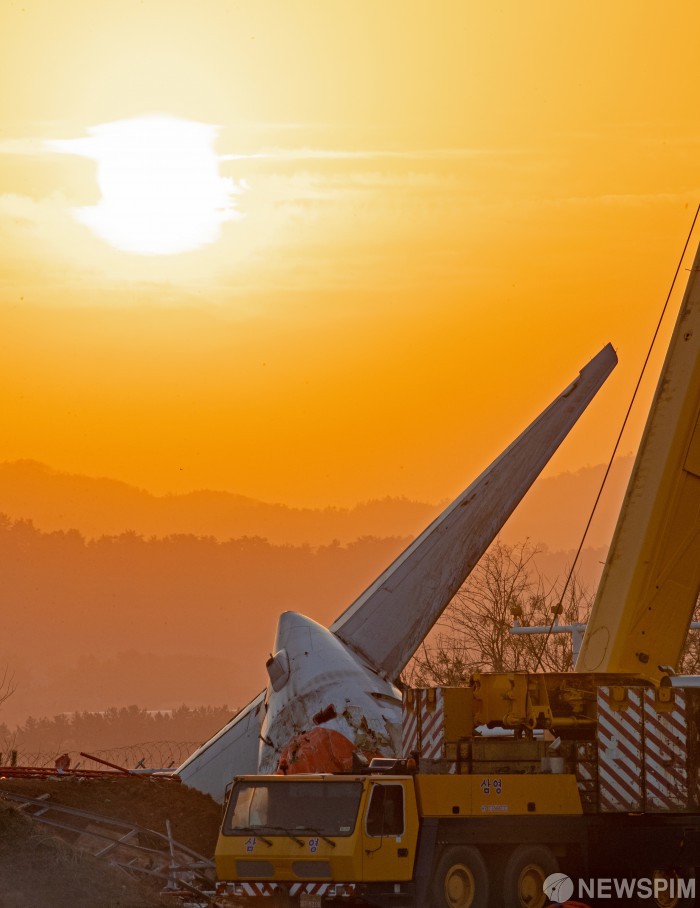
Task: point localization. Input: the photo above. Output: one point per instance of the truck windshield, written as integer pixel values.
(328, 808)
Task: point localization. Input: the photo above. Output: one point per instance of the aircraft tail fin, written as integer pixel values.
(386, 624)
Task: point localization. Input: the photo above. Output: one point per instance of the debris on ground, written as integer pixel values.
(40, 870)
(194, 817)
(46, 868)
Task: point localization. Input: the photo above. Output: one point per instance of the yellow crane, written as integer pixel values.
(651, 579)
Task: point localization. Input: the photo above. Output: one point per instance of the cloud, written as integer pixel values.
(625, 199)
(33, 215)
(330, 154)
(23, 147)
(27, 146)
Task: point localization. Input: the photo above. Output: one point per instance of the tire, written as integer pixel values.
(664, 900)
(524, 873)
(461, 879)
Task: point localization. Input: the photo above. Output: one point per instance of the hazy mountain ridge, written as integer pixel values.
(55, 500)
(553, 512)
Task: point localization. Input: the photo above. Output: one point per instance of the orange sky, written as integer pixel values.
(445, 212)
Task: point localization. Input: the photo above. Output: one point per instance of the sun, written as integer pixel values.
(161, 191)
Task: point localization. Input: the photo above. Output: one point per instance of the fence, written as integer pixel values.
(149, 755)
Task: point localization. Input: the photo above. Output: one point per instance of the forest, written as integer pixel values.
(184, 619)
(113, 728)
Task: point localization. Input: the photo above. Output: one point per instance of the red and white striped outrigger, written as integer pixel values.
(258, 890)
(642, 751)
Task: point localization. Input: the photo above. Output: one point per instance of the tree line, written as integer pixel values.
(113, 728)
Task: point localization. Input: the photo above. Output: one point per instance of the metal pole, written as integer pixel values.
(576, 630)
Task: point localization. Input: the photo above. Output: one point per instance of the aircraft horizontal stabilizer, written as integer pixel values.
(233, 749)
(388, 622)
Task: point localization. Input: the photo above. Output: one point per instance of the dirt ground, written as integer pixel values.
(194, 817)
(38, 869)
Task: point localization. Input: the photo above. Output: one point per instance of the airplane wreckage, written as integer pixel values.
(331, 691)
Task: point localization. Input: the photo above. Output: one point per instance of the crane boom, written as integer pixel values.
(651, 578)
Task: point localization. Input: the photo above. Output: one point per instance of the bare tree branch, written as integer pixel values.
(7, 685)
(475, 633)
(689, 662)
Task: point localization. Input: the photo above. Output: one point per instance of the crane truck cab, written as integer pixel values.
(317, 837)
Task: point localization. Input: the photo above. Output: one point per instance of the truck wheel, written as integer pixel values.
(668, 896)
(524, 873)
(461, 880)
